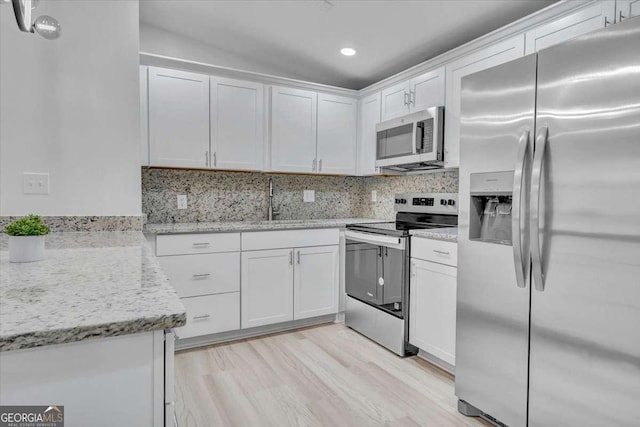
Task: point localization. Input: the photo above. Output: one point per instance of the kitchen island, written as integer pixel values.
(85, 329)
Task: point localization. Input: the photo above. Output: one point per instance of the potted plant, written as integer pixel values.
(26, 239)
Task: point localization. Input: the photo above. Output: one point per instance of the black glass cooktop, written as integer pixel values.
(406, 222)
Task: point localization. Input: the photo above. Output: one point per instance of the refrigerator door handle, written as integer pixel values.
(518, 231)
(534, 224)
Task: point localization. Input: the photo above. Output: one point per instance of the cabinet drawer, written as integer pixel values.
(197, 243)
(210, 314)
(259, 240)
(435, 250)
(204, 274)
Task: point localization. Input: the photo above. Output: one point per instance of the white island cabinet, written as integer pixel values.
(432, 314)
(126, 373)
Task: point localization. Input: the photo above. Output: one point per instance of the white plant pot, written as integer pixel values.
(26, 248)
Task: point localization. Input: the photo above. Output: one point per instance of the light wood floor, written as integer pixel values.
(326, 375)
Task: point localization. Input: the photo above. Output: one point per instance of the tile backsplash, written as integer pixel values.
(243, 196)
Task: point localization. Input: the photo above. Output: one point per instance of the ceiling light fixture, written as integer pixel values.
(348, 51)
(46, 26)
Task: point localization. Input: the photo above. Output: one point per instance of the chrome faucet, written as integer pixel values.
(272, 213)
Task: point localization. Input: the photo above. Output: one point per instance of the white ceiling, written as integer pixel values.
(304, 36)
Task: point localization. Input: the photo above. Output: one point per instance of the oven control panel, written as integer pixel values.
(427, 202)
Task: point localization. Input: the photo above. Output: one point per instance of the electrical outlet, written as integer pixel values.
(374, 196)
(35, 183)
(182, 201)
(309, 196)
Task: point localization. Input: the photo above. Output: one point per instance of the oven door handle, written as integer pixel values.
(376, 239)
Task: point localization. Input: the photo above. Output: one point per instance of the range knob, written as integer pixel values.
(443, 202)
(452, 202)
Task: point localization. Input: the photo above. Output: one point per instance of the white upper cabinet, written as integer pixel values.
(293, 129)
(479, 60)
(369, 117)
(237, 124)
(144, 116)
(395, 101)
(315, 284)
(178, 118)
(419, 93)
(626, 9)
(584, 21)
(427, 90)
(337, 117)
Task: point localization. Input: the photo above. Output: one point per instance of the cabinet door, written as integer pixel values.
(482, 59)
(427, 90)
(178, 118)
(315, 284)
(266, 287)
(144, 116)
(337, 116)
(432, 315)
(237, 120)
(584, 21)
(395, 101)
(369, 118)
(626, 9)
(293, 130)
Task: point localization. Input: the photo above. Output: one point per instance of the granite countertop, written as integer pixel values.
(221, 227)
(449, 234)
(90, 285)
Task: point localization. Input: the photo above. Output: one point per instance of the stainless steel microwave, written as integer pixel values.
(411, 142)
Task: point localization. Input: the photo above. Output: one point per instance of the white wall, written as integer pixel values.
(162, 42)
(70, 107)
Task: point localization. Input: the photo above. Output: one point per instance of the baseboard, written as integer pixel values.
(187, 343)
(437, 362)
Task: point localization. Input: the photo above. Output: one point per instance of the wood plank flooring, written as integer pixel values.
(326, 375)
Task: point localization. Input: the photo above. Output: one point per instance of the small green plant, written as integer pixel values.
(30, 225)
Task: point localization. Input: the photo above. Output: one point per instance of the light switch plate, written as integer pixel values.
(309, 196)
(182, 201)
(374, 196)
(35, 183)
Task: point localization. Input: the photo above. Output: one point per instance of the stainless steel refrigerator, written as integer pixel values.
(548, 314)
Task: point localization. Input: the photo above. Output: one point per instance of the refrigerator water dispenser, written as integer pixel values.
(490, 208)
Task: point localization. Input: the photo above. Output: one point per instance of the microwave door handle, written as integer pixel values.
(521, 261)
(534, 214)
(415, 138)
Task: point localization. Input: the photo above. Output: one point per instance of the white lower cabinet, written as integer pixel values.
(203, 274)
(279, 285)
(267, 287)
(316, 283)
(279, 276)
(432, 318)
(210, 314)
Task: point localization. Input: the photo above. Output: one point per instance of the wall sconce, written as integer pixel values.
(46, 26)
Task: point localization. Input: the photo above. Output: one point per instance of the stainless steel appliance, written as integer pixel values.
(412, 142)
(548, 314)
(377, 267)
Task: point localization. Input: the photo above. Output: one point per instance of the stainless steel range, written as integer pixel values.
(377, 267)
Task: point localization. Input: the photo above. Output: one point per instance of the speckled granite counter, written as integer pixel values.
(90, 285)
(449, 234)
(221, 227)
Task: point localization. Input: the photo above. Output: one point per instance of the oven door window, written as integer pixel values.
(395, 142)
(363, 268)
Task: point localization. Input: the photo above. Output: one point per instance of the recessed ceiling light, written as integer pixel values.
(347, 51)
